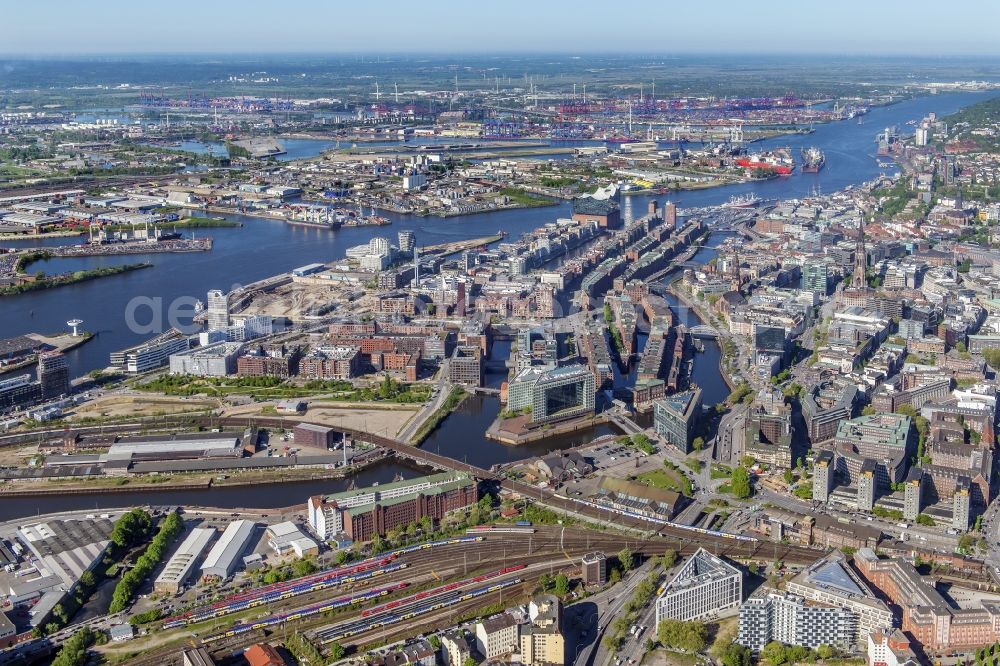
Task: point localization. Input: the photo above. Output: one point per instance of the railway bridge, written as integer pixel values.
(542, 495)
(400, 448)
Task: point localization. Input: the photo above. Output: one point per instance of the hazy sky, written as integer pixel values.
(38, 27)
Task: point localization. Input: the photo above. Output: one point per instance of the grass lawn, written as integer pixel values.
(664, 479)
(667, 658)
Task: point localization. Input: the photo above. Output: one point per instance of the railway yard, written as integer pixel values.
(418, 588)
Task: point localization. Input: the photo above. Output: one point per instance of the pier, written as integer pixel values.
(141, 247)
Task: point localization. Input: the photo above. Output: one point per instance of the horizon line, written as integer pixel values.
(501, 53)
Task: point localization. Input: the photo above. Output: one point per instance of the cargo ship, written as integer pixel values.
(813, 160)
(778, 162)
(331, 224)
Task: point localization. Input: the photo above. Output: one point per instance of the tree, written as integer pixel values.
(669, 558)
(131, 527)
(736, 655)
(788, 476)
(340, 558)
(545, 582)
(824, 651)
(387, 389)
(337, 651)
(689, 636)
(434, 641)
(798, 653)
(60, 612)
(740, 483)
(74, 651)
(868, 410)
(303, 567)
(625, 558)
(87, 580)
(992, 356)
(378, 545)
(469, 661)
(774, 654)
(698, 443)
(562, 584)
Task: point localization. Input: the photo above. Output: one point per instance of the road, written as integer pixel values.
(931, 538)
(609, 605)
(443, 387)
(728, 443)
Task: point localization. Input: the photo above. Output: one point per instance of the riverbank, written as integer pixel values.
(68, 233)
(70, 278)
(187, 223)
(680, 186)
(455, 398)
(514, 431)
(62, 342)
(702, 316)
(283, 215)
(185, 480)
(181, 245)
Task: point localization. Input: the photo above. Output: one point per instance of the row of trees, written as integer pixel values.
(776, 653)
(171, 528)
(479, 513)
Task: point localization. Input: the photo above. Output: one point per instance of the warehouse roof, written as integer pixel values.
(180, 442)
(387, 494)
(179, 566)
(228, 549)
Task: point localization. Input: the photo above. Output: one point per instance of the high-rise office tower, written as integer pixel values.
(218, 310)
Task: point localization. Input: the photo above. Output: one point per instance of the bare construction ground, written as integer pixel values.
(139, 405)
(388, 420)
(296, 299)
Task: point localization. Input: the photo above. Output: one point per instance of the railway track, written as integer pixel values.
(546, 550)
(549, 549)
(422, 566)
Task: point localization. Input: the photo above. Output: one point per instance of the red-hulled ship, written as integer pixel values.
(778, 162)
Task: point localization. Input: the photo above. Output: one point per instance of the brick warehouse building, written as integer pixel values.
(363, 513)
